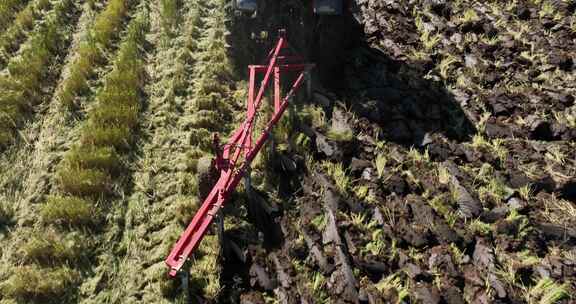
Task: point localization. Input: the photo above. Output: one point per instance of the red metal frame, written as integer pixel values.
(229, 161)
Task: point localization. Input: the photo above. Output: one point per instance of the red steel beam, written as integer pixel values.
(230, 163)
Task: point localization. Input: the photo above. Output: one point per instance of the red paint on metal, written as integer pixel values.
(229, 161)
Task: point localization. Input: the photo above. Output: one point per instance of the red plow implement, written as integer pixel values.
(233, 159)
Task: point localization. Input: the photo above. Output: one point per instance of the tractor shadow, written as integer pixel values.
(395, 95)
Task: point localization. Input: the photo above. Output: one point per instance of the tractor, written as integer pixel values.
(320, 7)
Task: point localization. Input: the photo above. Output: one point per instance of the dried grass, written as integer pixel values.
(70, 211)
(51, 249)
(84, 182)
(32, 283)
(22, 87)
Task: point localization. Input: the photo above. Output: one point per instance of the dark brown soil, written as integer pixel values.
(475, 201)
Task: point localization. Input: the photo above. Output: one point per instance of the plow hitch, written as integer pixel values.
(234, 158)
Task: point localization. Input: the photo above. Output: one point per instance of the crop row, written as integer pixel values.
(184, 100)
(188, 83)
(213, 92)
(11, 39)
(8, 9)
(57, 258)
(211, 87)
(91, 52)
(141, 209)
(21, 89)
(110, 124)
(89, 169)
(28, 82)
(174, 186)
